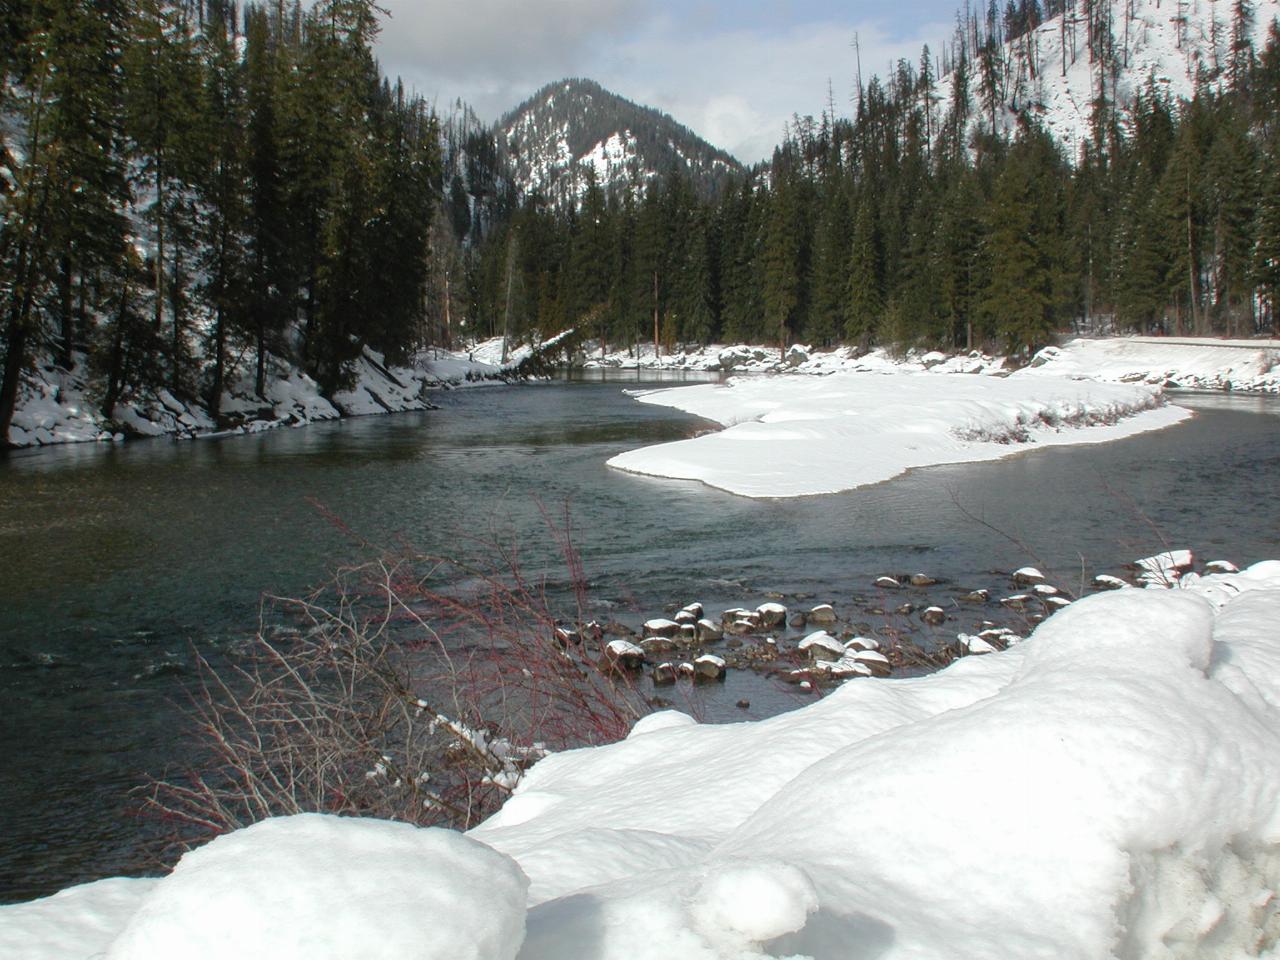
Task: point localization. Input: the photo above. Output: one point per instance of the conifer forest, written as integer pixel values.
(191, 186)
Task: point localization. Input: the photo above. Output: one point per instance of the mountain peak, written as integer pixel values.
(573, 128)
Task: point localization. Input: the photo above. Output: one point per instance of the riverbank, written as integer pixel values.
(1248, 366)
(1076, 789)
(57, 406)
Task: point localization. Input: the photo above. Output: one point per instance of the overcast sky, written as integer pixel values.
(734, 72)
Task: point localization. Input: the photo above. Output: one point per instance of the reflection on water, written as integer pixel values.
(118, 560)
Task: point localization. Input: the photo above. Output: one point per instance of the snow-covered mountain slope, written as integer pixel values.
(570, 128)
(1050, 74)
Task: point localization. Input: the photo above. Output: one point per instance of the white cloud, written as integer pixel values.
(737, 88)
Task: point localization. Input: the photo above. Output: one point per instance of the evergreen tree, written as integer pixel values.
(832, 244)
(221, 186)
(63, 209)
(780, 263)
(864, 305)
(1016, 302)
(1231, 167)
(1266, 253)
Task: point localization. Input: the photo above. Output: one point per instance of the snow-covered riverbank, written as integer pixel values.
(1200, 364)
(1108, 788)
(58, 407)
(801, 436)
(1249, 366)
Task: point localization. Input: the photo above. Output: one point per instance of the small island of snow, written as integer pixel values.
(803, 436)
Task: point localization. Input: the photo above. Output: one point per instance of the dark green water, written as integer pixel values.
(117, 561)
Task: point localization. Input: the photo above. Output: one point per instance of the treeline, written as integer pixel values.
(919, 222)
(188, 183)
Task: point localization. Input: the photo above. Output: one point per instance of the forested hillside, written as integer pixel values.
(189, 188)
(948, 214)
(190, 185)
(573, 130)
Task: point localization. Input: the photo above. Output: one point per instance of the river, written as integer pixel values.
(120, 560)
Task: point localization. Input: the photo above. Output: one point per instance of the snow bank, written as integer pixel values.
(1246, 365)
(802, 436)
(56, 406)
(1108, 788)
(490, 352)
(307, 887)
(796, 359)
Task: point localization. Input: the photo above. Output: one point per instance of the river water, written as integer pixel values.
(117, 561)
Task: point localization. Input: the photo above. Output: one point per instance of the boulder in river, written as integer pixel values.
(822, 613)
(742, 626)
(664, 674)
(1105, 581)
(876, 661)
(1025, 576)
(771, 614)
(652, 645)
(922, 580)
(820, 645)
(709, 667)
(934, 616)
(887, 583)
(624, 655)
(709, 631)
(661, 627)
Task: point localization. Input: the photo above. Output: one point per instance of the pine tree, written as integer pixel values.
(162, 99)
(1140, 282)
(832, 243)
(1231, 167)
(954, 265)
(780, 263)
(221, 187)
(269, 271)
(62, 216)
(1266, 253)
(589, 281)
(1016, 301)
(864, 305)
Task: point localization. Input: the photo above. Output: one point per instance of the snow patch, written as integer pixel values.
(803, 436)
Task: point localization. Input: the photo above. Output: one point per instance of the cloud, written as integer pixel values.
(740, 88)
(484, 50)
(735, 86)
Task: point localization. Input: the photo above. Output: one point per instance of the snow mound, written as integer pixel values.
(743, 903)
(1201, 364)
(1108, 788)
(852, 429)
(312, 887)
(73, 924)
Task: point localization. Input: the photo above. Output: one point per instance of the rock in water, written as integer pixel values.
(771, 614)
(822, 613)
